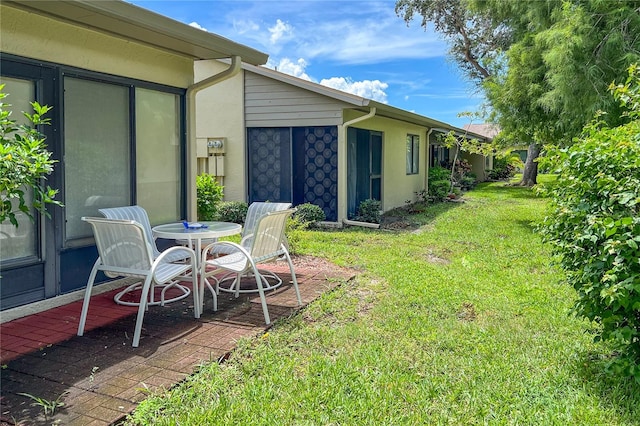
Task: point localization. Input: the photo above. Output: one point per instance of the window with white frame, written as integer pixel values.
(413, 154)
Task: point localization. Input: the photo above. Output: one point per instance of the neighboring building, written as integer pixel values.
(290, 140)
(481, 164)
(120, 80)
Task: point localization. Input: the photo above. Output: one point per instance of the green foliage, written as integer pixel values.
(210, 194)
(502, 169)
(439, 189)
(438, 173)
(468, 182)
(369, 211)
(25, 163)
(232, 211)
(308, 215)
(594, 226)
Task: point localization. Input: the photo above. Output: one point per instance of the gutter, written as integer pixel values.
(343, 129)
(426, 163)
(192, 91)
(372, 112)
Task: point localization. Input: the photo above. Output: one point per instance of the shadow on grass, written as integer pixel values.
(619, 393)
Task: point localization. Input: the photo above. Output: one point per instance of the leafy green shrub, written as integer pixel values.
(594, 226)
(439, 183)
(209, 193)
(439, 173)
(502, 169)
(308, 215)
(369, 211)
(468, 182)
(24, 163)
(232, 211)
(439, 189)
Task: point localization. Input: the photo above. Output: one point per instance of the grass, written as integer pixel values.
(462, 321)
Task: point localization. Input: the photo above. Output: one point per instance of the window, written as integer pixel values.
(158, 154)
(97, 156)
(413, 153)
(125, 148)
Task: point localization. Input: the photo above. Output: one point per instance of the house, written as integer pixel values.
(480, 164)
(271, 136)
(120, 80)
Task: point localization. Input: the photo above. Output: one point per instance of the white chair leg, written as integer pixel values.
(197, 310)
(263, 299)
(141, 310)
(87, 297)
(293, 278)
(238, 282)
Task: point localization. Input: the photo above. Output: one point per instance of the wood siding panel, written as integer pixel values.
(270, 103)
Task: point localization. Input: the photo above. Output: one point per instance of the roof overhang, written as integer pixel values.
(130, 22)
(364, 104)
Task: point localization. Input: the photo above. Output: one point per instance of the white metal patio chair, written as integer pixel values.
(124, 251)
(139, 215)
(267, 244)
(255, 211)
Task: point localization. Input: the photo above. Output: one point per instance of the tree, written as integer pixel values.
(24, 163)
(476, 43)
(551, 65)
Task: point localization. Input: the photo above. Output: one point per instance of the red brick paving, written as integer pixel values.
(100, 378)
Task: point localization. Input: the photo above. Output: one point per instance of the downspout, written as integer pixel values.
(343, 161)
(427, 165)
(192, 91)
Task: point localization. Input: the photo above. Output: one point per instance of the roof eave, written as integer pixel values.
(131, 22)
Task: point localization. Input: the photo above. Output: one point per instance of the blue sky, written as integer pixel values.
(358, 46)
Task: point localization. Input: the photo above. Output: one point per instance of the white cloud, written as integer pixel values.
(245, 27)
(281, 30)
(198, 26)
(371, 89)
(287, 66)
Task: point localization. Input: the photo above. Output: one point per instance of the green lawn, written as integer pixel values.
(462, 321)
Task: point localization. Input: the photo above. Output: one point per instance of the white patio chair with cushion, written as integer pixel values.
(139, 215)
(124, 251)
(266, 244)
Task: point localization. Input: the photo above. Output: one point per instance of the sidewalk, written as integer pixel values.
(100, 378)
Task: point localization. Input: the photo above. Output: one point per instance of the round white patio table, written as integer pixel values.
(195, 236)
(212, 230)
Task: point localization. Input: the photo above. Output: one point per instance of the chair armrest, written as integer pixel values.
(192, 254)
(235, 246)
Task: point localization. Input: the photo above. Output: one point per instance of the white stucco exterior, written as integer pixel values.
(34, 36)
(220, 113)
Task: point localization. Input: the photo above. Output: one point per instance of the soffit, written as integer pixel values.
(131, 22)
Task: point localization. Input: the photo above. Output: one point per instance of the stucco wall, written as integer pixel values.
(35, 36)
(477, 162)
(397, 186)
(220, 114)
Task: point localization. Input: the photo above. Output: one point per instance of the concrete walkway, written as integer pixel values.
(99, 378)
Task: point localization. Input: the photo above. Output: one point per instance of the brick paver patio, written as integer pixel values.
(100, 378)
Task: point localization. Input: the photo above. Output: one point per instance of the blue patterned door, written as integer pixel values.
(295, 164)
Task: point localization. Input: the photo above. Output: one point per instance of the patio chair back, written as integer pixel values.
(268, 236)
(136, 213)
(122, 246)
(256, 211)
